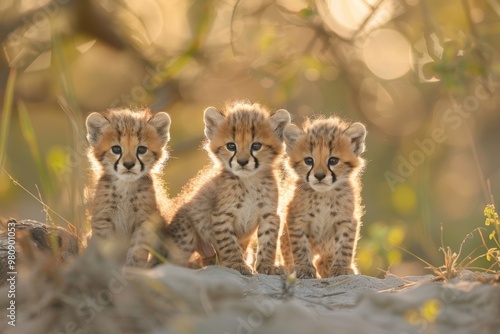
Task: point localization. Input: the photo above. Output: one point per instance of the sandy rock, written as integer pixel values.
(33, 238)
(170, 299)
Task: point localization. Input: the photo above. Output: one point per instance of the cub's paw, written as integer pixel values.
(341, 270)
(305, 271)
(270, 269)
(242, 267)
(138, 260)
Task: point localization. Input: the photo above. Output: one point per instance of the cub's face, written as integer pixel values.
(326, 152)
(128, 144)
(245, 139)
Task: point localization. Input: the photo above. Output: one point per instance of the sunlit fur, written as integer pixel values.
(322, 215)
(129, 130)
(125, 201)
(244, 124)
(227, 202)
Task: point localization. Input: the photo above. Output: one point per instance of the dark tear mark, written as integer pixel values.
(309, 172)
(255, 159)
(140, 161)
(231, 159)
(332, 174)
(117, 161)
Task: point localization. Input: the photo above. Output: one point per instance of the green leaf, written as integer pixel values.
(306, 12)
(29, 135)
(7, 111)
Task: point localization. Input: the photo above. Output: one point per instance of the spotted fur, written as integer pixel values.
(238, 194)
(127, 151)
(324, 211)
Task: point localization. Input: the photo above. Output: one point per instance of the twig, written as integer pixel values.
(47, 215)
(367, 19)
(46, 207)
(231, 29)
(478, 165)
(475, 37)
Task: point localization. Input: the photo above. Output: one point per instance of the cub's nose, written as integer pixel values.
(242, 162)
(129, 165)
(319, 176)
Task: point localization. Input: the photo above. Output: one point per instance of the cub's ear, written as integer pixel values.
(94, 123)
(212, 117)
(291, 134)
(357, 133)
(279, 120)
(161, 122)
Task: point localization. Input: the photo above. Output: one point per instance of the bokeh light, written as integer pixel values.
(396, 109)
(387, 54)
(346, 17)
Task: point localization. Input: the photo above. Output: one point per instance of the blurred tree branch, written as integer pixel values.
(21, 19)
(90, 18)
(368, 18)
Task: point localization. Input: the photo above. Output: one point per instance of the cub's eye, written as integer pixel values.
(333, 161)
(231, 146)
(256, 146)
(309, 161)
(142, 150)
(116, 149)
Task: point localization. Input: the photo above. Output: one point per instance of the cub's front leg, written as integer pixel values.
(102, 224)
(225, 242)
(285, 248)
(267, 234)
(324, 263)
(138, 253)
(103, 211)
(345, 239)
(301, 249)
(102, 229)
(181, 237)
(145, 239)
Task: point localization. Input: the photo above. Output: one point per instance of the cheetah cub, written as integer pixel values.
(324, 211)
(127, 150)
(238, 195)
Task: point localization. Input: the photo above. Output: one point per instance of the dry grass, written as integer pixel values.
(454, 262)
(91, 294)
